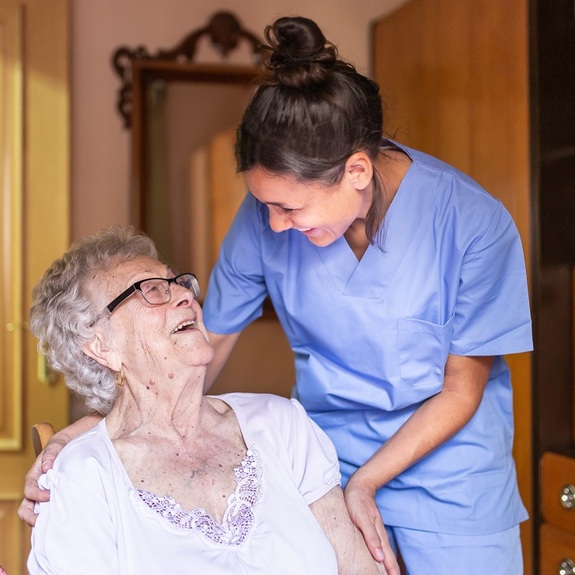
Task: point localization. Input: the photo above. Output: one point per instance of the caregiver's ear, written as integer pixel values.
(359, 168)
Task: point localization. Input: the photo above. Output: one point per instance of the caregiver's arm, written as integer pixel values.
(434, 422)
(353, 557)
(223, 345)
(45, 460)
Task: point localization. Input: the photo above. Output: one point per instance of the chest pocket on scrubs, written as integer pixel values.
(422, 351)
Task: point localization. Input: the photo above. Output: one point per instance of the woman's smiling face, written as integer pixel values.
(152, 338)
(323, 213)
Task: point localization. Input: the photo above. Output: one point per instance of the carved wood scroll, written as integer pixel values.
(224, 31)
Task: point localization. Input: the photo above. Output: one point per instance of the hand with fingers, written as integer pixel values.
(363, 510)
(32, 492)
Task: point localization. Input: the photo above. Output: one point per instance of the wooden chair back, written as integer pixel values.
(41, 434)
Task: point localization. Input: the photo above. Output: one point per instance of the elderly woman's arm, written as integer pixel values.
(353, 556)
(44, 461)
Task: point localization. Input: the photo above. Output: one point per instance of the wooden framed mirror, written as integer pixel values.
(183, 109)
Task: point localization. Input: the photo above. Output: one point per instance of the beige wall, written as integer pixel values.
(100, 145)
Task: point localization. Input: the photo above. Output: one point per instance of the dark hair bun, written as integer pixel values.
(299, 54)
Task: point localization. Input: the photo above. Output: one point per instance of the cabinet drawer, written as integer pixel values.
(558, 490)
(557, 550)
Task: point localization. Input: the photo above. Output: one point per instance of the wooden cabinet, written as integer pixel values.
(489, 86)
(557, 532)
(558, 490)
(556, 551)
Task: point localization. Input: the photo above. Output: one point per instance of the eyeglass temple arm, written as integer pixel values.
(117, 301)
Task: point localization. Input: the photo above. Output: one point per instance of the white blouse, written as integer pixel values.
(97, 522)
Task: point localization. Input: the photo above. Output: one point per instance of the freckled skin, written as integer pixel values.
(144, 334)
(161, 415)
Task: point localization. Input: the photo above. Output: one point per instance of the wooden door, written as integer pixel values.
(274, 371)
(454, 78)
(34, 212)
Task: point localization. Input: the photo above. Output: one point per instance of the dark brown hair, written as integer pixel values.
(311, 112)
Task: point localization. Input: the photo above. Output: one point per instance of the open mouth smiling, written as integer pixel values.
(185, 326)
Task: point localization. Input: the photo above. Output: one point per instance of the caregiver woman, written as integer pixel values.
(400, 284)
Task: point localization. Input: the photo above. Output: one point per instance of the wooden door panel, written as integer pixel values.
(11, 152)
(34, 124)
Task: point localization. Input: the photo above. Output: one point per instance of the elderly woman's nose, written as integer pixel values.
(182, 295)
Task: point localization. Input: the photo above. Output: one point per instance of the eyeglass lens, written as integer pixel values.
(157, 291)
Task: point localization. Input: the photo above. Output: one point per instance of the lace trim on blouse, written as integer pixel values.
(238, 518)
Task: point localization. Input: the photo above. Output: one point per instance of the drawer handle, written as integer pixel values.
(568, 497)
(567, 567)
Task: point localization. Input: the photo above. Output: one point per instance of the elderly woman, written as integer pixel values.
(171, 480)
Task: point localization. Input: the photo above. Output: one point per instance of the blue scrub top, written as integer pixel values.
(371, 337)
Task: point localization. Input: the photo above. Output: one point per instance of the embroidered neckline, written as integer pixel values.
(238, 518)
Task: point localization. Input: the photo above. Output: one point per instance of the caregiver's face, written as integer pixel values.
(323, 213)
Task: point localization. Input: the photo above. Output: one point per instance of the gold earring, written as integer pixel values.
(120, 379)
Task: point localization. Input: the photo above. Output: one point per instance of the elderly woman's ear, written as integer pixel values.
(100, 350)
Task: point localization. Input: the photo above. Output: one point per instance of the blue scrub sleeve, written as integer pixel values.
(492, 311)
(237, 282)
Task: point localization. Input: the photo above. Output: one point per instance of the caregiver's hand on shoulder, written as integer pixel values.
(44, 461)
(360, 503)
(32, 492)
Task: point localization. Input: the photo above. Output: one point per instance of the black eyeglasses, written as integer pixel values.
(157, 291)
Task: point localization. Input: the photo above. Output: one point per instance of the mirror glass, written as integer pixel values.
(191, 187)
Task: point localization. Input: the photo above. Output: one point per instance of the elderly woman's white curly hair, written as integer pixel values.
(62, 313)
